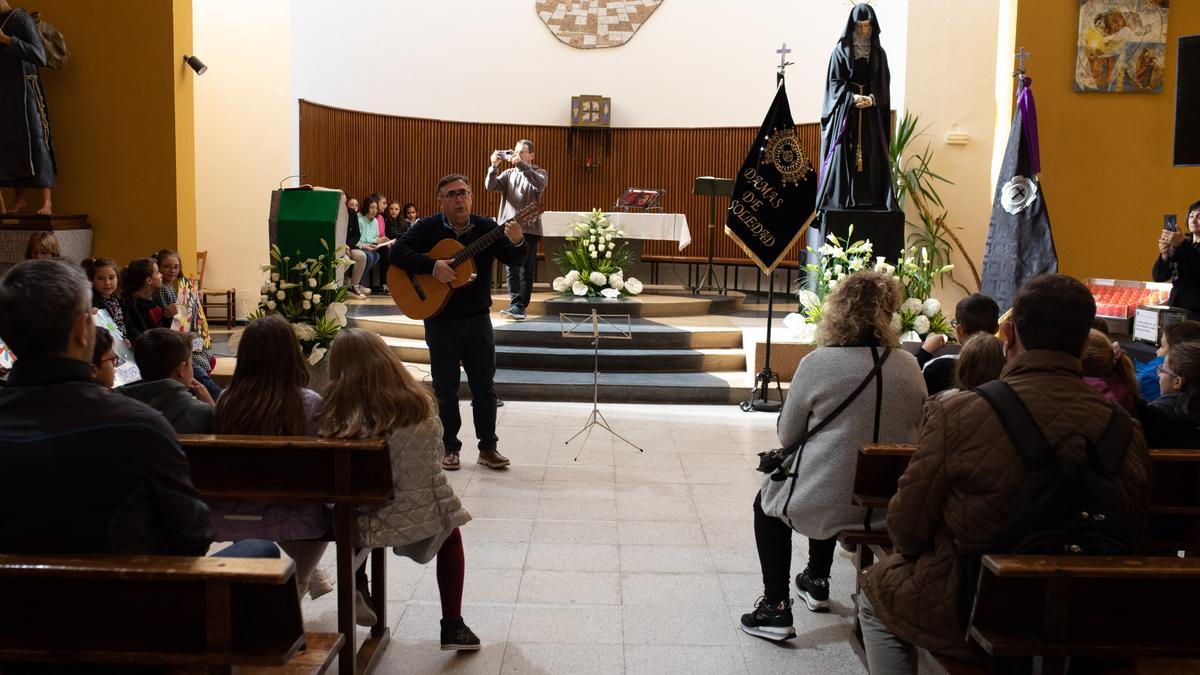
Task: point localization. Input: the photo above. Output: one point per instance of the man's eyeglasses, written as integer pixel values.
(1161, 368)
(116, 360)
(456, 194)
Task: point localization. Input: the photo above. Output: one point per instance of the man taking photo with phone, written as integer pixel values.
(519, 185)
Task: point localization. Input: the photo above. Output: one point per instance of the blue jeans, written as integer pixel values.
(372, 261)
(249, 548)
(203, 378)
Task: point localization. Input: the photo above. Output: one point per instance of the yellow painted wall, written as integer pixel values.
(952, 55)
(244, 136)
(121, 115)
(1106, 158)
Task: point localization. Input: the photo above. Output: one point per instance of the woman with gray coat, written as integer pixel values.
(857, 387)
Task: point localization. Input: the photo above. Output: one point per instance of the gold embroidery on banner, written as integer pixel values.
(784, 152)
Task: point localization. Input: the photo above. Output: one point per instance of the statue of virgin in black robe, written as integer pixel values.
(26, 151)
(855, 121)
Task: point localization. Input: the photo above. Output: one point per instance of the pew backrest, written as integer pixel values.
(1095, 606)
(290, 468)
(168, 610)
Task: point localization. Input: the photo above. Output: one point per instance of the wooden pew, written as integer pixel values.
(210, 613)
(1174, 521)
(1054, 608)
(345, 473)
(1173, 525)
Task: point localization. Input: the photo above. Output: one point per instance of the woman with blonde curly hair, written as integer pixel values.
(857, 387)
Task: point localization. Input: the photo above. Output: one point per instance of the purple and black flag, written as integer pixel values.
(1019, 244)
(775, 193)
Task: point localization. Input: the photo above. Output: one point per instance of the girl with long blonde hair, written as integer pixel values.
(371, 393)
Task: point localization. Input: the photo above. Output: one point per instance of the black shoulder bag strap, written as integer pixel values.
(782, 473)
(867, 518)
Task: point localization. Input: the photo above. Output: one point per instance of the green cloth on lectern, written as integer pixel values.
(305, 218)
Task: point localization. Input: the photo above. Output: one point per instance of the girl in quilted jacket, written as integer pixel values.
(371, 394)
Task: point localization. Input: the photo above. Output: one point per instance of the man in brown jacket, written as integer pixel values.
(952, 500)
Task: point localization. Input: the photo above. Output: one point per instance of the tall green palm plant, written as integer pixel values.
(912, 178)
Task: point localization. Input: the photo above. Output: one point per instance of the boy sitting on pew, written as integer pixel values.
(164, 358)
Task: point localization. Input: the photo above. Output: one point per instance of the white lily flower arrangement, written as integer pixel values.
(593, 260)
(919, 315)
(308, 293)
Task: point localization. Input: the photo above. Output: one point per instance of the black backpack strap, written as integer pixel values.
(1022, 429)
(1109, 451)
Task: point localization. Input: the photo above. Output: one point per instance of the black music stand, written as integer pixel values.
(712, 188)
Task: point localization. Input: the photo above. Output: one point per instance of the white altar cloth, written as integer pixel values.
(640, 225)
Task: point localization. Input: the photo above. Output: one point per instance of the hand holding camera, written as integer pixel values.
(499, 156)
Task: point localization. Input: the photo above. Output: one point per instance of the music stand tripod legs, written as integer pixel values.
(713, 187)
(595, 418)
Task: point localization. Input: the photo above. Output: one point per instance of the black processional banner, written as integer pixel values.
(1019, 243)
(775, 193)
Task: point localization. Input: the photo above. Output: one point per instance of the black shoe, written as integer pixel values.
(770, 620)
(814, 592)
(457, 637)
(499, 403)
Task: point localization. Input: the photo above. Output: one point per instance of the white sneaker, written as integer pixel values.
(319, 583)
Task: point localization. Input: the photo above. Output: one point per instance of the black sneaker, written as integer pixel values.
(516, 313)
(456, 637)
(770, 620)
(814, 592)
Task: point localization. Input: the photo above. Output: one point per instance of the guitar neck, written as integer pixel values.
(477, 246)
(522, 217)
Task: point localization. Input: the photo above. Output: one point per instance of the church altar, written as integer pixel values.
(656, 226)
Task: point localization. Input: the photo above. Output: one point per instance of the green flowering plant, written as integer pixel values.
(593, 260)
(309, 294)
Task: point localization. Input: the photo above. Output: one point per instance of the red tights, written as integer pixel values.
(451, 568)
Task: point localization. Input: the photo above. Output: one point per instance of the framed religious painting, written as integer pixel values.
(1122, 46)
(588, 110)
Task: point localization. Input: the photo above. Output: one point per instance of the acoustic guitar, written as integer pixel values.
(421, 296)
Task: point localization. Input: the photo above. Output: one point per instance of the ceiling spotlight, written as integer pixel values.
(195, 63)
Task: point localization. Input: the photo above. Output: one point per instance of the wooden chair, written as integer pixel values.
(227, 296)
(211, 614)
(297, 469)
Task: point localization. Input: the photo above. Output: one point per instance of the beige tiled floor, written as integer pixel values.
(618, 562)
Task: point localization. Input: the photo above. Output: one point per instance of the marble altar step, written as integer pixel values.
(686, 333)
(577, 356)
(656, 301)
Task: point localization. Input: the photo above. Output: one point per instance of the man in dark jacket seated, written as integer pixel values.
(953, 498)
(83, 470)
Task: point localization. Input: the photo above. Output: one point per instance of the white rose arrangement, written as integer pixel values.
(593, 260)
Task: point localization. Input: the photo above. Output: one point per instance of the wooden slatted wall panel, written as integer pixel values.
(403, 157)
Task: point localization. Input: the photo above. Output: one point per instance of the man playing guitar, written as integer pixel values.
(462, 331)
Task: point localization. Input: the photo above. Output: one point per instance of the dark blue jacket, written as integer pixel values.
(408, 253)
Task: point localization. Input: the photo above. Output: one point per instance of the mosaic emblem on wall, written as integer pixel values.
(595, 24)
(1122, 46)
